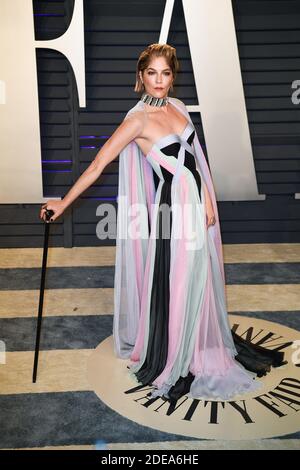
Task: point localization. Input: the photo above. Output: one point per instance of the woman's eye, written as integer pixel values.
(166, 73)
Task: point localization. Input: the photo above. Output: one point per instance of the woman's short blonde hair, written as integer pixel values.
(157, 50)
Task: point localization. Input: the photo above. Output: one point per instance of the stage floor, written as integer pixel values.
(76, 405)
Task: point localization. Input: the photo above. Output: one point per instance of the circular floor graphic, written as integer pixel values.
(268, 413)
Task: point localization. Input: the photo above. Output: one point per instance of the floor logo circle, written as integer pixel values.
(268, 413)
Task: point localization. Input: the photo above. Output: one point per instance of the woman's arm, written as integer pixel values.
(128, 130)
(208, 206)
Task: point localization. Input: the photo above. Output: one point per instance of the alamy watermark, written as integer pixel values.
(184, 222)
(296, 94)
(296, 354)
(2, 352)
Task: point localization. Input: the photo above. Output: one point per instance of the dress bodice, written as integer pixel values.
(171, 146)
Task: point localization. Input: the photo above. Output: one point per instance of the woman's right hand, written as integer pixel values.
(57, 206)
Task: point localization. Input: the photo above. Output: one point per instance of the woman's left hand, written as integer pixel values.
(210, 216)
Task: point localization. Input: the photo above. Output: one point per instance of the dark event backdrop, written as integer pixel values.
(268, 35)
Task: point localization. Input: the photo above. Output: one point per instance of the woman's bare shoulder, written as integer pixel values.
(138, 115)
(136, 119)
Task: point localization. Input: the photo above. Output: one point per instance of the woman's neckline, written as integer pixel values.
(179, 135)
(165, 137)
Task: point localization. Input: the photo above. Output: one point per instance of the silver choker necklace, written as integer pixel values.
(153, 101)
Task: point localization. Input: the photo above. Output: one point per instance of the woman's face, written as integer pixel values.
(157, 77)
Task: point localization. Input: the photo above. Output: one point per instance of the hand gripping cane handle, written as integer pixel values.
(48, 214)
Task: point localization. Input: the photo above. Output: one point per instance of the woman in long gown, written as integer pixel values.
(170, 315)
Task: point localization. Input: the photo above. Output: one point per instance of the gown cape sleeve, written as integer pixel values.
(136, 186)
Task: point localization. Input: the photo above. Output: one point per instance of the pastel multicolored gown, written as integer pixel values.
(170, 315)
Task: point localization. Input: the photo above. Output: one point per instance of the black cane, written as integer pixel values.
(48, 215)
